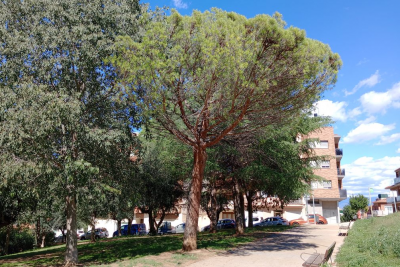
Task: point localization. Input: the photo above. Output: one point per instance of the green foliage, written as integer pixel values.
(348, 214)
(20, 240)
(62, 119)
(359, 202)
(372, 242)
(233, 73)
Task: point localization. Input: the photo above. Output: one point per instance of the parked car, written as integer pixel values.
(272, 221)
(136, 229)
(165, 228)
(80, 233)
(320, 220)
(255, 220)
(205, 228)
(99, 233)
(179, 229)
(226, 224)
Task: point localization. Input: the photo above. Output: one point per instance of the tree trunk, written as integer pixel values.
(43, 243)
(238, 214)
(93, 231)
(249, 198)
(71, 254)
(241, 198)
(193, 204)
(8, 233)
(38, 233)
(153, 230)
(119, 227)
(129, 226)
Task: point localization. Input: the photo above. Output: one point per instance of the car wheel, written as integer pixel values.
(320, 222)
(295, 224)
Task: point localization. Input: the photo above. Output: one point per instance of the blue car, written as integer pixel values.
(136, 229)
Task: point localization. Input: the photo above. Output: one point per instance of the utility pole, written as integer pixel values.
(370, 190)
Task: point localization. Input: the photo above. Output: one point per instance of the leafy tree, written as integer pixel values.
(213, 74)
(59, 104)
(160, 186)
(348, 214)
(359, 202)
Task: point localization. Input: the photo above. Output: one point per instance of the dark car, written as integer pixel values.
(165, 228)
(226, 224)
(136, 229)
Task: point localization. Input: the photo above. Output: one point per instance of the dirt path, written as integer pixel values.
(279, 249)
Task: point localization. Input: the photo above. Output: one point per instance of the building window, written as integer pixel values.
(320, 144)
(327, 184)
(325, 164)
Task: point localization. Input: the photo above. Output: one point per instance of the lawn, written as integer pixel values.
(118, 250)
(373, 242)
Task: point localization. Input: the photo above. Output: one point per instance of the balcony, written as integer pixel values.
(391, 199)
(341, 172)
(339, 153)
(397, 180)
(343, 193)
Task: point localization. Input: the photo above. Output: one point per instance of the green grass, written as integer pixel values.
(132, 249)
(373, 242)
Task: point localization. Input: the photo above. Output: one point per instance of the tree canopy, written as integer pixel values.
(217, 73)
(60, 111)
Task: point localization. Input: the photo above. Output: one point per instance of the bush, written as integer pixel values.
(20, 240)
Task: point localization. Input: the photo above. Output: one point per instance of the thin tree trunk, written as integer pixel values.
(43, 243)
(213, 211)
(119, 227)
(93, 231)
(241, 198)
(237, 209)
(129, 226)
(153, 230)
(8, 233)
(38, 233)
(193, 204)
(71, 254)
(249, 198)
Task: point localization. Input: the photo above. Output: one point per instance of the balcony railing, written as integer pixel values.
(339, 152)
(391, 199)
(343, 193)
(341, 172)
(380, 212)
(397, 180)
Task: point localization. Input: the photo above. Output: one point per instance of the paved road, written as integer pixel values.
(279, 249)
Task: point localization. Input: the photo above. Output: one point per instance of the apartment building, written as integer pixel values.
(395, 201)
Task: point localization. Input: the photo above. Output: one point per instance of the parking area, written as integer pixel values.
(279, 249)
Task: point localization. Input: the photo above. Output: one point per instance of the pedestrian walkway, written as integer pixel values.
(279, 249)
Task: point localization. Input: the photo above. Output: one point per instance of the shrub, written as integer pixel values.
(20, 240)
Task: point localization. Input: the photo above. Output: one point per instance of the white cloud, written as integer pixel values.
(367, 120)
(336, 110)
(379, 102)
(180, 4)
(398, 150)
(368, 172)
(389, 139)
(354, 112)
(367, 131)
(369, 82)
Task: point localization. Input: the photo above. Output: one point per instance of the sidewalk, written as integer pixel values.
(279, 249)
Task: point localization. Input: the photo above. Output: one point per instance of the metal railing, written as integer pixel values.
(339, 152)
(341, 172)
(343, 193)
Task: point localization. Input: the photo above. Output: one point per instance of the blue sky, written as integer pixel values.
(365, 102)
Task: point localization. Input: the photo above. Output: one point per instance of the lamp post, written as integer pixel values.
(313, 206)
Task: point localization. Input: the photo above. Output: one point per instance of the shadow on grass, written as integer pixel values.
(114, 250)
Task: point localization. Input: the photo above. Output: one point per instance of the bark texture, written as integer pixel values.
(238, 214)
(71, 254)
(193, 205)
